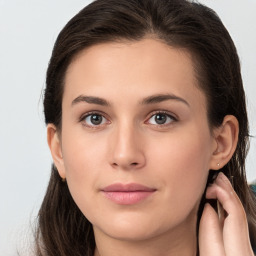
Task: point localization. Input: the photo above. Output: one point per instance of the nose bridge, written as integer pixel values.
(127, 147)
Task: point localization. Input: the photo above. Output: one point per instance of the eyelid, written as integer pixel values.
(104, 115)
(164, 112)
(94, 112)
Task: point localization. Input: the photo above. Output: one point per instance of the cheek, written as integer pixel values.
(82, 160)
(81, 152)
(184, 163)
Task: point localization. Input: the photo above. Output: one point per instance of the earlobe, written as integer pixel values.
(226, 137)
(55, 148)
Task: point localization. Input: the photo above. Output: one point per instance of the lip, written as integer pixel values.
(127, 194)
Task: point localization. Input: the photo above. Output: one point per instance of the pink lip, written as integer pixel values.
(127, 194)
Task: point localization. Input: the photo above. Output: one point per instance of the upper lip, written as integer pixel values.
(131, 187)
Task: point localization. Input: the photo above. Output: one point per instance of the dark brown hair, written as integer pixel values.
(62, 229)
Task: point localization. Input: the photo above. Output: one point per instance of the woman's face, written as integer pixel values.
(135, 146)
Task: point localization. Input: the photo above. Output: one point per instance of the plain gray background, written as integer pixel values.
(28, 30)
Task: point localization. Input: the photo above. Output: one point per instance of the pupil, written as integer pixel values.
(160, 119)
(96, 119)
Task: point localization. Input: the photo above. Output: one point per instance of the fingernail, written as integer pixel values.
(221, 174)
(223, 177)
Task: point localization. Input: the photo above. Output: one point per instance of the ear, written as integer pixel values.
(55, 148)
(226, 137)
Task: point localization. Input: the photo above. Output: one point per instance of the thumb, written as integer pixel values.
(210, 233)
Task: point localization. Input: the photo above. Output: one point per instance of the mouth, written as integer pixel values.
(127, 194)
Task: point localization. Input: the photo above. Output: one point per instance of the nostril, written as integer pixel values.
(132, 164)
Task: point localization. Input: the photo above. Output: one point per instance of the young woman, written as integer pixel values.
(147, 125)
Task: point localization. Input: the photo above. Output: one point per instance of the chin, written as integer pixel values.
(131, 226)
(130, 232)
(135, 228)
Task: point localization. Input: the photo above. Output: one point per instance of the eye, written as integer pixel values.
(94, 119)
(161, 119)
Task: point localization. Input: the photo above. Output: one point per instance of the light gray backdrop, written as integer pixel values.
(28, 30)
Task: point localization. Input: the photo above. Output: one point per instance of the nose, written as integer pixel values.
(127, 149)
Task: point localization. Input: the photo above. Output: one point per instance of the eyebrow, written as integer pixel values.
(162, 97)
(158, 98)
(91, 100)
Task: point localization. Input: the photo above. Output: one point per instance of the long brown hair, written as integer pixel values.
(62, 229)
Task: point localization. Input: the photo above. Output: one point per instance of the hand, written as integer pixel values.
(229, 237)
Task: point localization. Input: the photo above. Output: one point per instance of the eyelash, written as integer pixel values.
(102, 115)
(93, 113)
(164, 113)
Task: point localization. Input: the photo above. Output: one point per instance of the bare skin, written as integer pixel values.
(232, 237)
(133, 113)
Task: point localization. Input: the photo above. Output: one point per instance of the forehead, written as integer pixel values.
(147, 67)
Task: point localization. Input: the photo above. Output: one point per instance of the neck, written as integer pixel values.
(181, 241)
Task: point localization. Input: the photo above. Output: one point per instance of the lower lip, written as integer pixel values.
(129, 197)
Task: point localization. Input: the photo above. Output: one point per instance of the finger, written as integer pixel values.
(235, 229)
(223, 191)
(210, 234)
